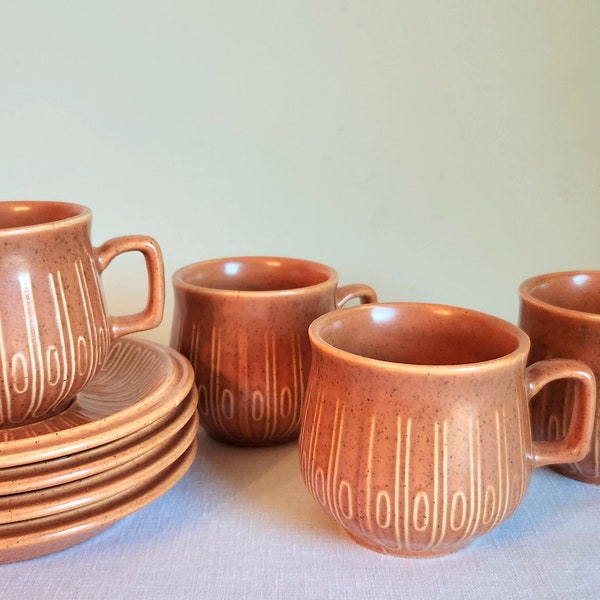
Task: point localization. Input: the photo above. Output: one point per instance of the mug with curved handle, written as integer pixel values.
(415, 435)
(354, 291)
(575, 444)
(54, 330)
(243, 324)
(151, 315)
(560, 312)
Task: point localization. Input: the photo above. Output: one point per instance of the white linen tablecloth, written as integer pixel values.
(241, 524)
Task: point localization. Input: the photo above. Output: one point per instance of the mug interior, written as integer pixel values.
(418, 334)
(256, 274)
(18, 214)
(578, 291)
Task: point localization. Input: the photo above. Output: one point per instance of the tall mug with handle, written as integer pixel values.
(415, 435)
(243, 323)
(54, 328)
(561, 314)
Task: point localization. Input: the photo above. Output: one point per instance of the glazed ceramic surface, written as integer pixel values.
(54, 329)
(73, 467)
(36, 537)
(415, 435)
(127, 438)
(94, 488)
(139, 383)
(243, 323)
(561, 314)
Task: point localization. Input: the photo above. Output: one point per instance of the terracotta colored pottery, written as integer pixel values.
(243, 323)
(561, 314)
(128, 436)
(54, 330)
(73, 467)
(82, 492)
(415, 434)
(36, 537)
(137, 385)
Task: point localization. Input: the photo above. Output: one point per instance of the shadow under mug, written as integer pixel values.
(415, 434)
(243, 324)
(54, 329)
(561, 314)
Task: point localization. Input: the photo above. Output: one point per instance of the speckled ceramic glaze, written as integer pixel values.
(243, 323)
(415, 434)
(561, 314)
(128, 436)
(54, 330)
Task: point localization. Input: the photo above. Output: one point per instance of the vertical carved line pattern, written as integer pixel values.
(5, 381)
(30, 373)
(39, 369)
(254, 407)
(63, 315)
(449, 496)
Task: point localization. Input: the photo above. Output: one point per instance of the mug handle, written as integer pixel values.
(345, 293)
(575, 445)
(151, 316)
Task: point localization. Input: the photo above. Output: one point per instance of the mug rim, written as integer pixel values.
(179, 276)
(316, 327)
(81, 213)
(527, 287)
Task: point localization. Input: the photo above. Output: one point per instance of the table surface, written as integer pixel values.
(241, 524)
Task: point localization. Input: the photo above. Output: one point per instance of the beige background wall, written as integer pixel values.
(441, 151)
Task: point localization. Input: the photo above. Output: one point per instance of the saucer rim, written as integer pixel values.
(122, 422)
(96, 488)
(59, 532)
(66, 469)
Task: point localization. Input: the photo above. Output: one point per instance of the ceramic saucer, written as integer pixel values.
(28, 539)
(140, 382)
(89, 490)
(60, 471)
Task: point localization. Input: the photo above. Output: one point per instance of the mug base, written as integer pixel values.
(407, 553)
(47, 415)
(572, 471)
(250, 443)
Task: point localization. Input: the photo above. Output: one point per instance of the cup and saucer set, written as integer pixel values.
(418, 425)
(94, 423)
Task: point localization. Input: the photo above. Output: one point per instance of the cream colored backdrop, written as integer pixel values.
(440, 151)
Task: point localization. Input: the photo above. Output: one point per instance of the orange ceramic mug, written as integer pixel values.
(561, 314)
(415, 435)
(243, 323)
(54, 330)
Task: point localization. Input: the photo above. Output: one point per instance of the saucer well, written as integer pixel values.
(29, 539)
(139, 382)
(62, 470)
(89, 490)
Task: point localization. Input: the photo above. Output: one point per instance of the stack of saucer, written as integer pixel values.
(126, 438)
